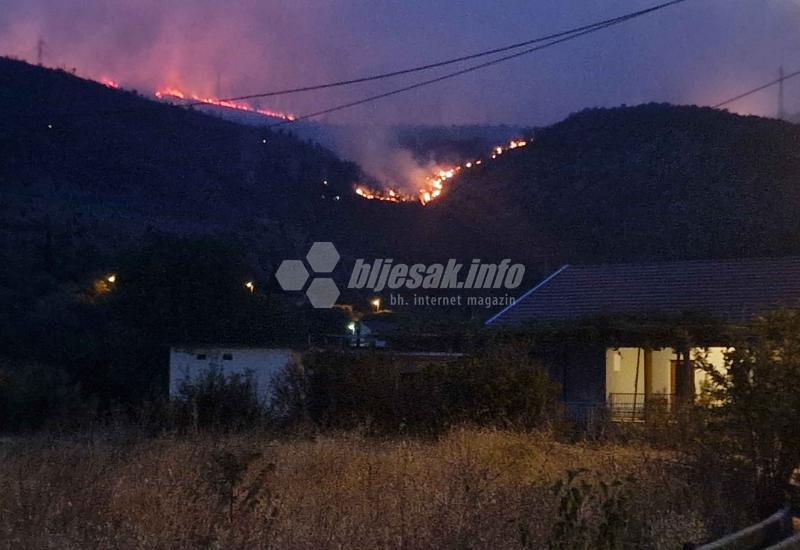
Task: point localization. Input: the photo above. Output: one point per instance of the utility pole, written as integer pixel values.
(39, 51)
(781, 112)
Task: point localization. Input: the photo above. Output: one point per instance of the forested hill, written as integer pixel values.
(86, 171)
(184, 208)
(633, 183)
(85, 165)
(68, 140)
(181, 206)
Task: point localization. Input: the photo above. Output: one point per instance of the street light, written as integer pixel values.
(376, 303)
(251, 286)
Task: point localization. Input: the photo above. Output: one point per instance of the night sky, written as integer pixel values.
(700, 52)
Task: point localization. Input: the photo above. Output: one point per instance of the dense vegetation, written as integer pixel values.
(91, 345)
(501, 386)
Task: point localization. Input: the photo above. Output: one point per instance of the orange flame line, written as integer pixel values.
(434, 184)
(173, 92)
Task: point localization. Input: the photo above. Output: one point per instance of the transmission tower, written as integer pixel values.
(40, 46)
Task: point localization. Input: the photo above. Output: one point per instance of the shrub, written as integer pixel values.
(500, 386)
(33, 396)
(756, 408)
(345, 390)
(592, 513)
(289, 394)
(218, 400)
(389, 393)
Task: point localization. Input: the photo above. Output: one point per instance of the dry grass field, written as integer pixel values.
(473, 488)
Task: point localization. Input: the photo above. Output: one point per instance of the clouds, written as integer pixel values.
(700, 52)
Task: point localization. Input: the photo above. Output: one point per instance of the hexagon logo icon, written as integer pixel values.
(322, 257)
(292, 275)
(322, 293)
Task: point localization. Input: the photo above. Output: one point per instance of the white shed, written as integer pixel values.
(191, 363)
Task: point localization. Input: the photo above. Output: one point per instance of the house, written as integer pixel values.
(633, 359)
(369, 334)
(190, 363)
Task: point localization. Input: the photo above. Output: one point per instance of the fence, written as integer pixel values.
(621, 407)
(774, 533)
(634, 407)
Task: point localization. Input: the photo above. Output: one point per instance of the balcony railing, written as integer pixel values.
(635, 407)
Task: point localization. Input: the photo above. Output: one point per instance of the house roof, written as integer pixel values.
(729, 290)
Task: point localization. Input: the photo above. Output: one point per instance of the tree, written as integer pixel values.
(757, 398)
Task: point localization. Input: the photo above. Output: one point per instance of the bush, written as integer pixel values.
(343, 390)
(35, 396)
(502, 386)
(289, 394)
(755, 411)
(592, 513)
(219, 401)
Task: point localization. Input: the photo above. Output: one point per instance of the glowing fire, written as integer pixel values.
(173, 92)
(433, 186)
(176, 93)
(430, 189)
(105, 81)
(388, 195)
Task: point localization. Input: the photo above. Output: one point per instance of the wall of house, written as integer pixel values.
(621, 369)
(662, 379)
(715, 357)
(188, 364)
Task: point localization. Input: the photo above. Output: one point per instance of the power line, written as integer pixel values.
(571, 36)
(779, 80)
(555, 38)
(438, 64)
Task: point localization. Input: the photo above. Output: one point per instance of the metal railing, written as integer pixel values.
(774, 533)
(635, 407)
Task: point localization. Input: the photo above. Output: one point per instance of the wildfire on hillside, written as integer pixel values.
(172, 92)
(105, 81)
(434, 184)
(429, 190)
(388, 195)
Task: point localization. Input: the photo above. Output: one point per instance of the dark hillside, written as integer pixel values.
(647, 182)
(85, 169)
(68, 139)
(185, 208)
